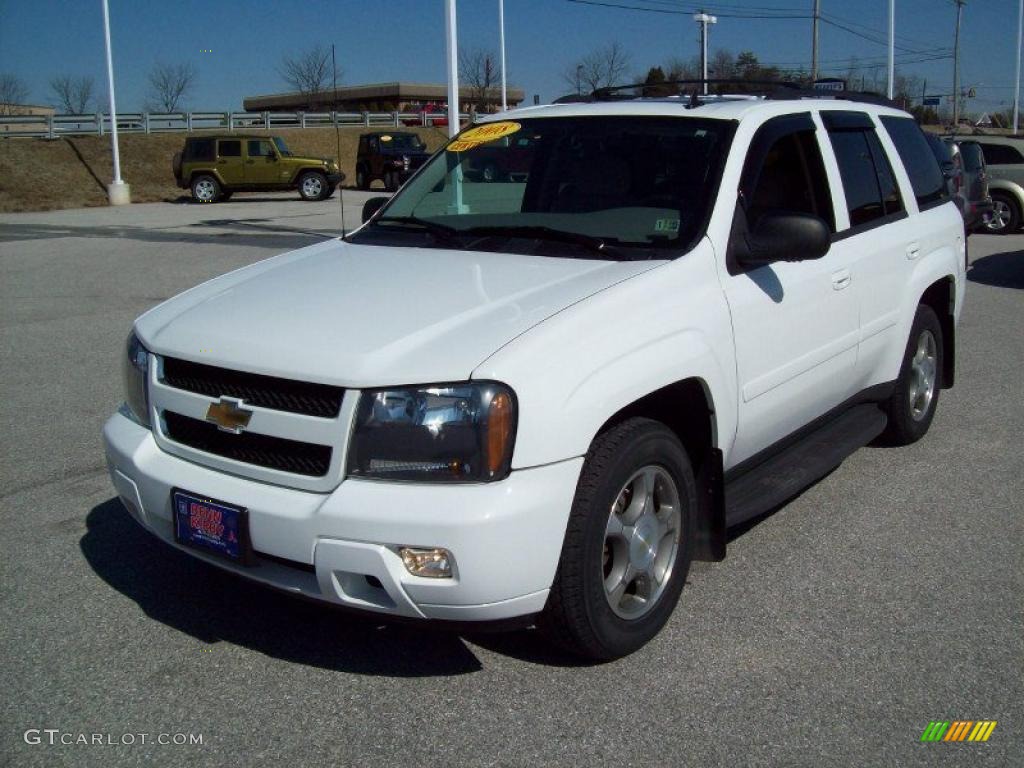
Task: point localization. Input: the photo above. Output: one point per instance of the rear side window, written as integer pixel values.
(230, 148)
(871, 191)
(973, 158)
(199, 149)
(1001, 154)
(918, 159)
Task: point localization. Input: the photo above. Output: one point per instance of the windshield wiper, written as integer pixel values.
(593, 244)
(439, 231)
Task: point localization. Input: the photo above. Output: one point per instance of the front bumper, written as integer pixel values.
(335, 178)
(505, 537)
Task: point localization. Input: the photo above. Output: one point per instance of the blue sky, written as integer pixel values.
(384, 40)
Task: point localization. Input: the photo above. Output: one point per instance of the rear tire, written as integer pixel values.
(1006, 215)
(628, 544)
(912, 405)
(205, 189)
(312, 186)
(362, 180)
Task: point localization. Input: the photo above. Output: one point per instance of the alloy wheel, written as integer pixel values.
(923, 378)
(642, 539)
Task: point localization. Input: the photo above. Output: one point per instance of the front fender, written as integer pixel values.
(1005, 185)
(580, 367)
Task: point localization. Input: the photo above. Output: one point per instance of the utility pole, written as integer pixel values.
(704, 19)
(118, 192)
(1016, 89)
(501, 34)
(956, 65)
(814, 40)
(892, 46)
(453, 67)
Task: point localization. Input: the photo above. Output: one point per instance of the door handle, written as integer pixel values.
(222, 162)
(841, 279)
(249, 162)
(913, 251)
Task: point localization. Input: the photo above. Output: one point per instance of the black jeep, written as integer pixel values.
(391, 156)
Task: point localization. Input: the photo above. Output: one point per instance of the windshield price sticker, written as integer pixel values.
(482, 134)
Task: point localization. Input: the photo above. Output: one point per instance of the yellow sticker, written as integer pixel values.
(385, 138)
(474, 137)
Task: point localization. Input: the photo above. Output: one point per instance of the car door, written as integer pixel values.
(261, 163)
(878, 239)
(795, 322)
(229, 161)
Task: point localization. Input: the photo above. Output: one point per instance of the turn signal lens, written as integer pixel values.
(428, 563)
(499, 432)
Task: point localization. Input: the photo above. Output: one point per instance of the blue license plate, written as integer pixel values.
(206, 524)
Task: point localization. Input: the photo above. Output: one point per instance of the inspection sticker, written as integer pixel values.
(474, 137)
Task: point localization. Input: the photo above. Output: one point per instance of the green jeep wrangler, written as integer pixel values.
(214, 167)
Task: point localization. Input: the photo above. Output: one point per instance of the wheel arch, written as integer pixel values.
(941, 297)
(305, 169)
(687, 408)
(206, 172)
(1012, 188)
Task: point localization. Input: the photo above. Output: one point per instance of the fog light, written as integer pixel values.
(429, 563)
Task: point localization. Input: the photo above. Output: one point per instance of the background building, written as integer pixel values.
(382, 97)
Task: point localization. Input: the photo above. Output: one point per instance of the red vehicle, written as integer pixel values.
(438, 115)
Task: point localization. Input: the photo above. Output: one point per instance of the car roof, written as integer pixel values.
(207, 136)
(739, 107)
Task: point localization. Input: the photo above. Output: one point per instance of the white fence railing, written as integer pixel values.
(53, 126)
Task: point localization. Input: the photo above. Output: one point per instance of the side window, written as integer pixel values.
(199, 149)
(871, 191)
(229, 148)
(918, 159)
(260, 148)
(791, 178)
(1001, 154)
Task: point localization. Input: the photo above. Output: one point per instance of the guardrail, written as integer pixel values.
(53, 126)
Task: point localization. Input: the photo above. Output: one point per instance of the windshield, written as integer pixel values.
(282, 147)
(401, 141)
(634, 184)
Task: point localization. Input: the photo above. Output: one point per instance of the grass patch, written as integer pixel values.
(72, 172)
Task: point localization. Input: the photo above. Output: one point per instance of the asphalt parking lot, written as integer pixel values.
(886, 596)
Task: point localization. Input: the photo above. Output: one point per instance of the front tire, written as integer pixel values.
(362, 180)
(912, 405)
(312, 186)
(392, 181)
(628, 544)
(205, 189)
(1006, 216)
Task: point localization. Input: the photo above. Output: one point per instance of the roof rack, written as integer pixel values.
(768, 89)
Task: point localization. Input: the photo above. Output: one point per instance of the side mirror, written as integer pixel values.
(371, 206)
(784, 237)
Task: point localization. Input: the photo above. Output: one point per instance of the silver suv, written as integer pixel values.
(1004, 156)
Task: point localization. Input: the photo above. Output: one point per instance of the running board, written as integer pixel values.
(783, 475)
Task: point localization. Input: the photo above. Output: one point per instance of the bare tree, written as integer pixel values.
(480, 70)
(600, 68)
(169, 84)
(73, 94)
(12, 93)
(309, 72)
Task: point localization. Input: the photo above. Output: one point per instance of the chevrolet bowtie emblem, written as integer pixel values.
(229, 415)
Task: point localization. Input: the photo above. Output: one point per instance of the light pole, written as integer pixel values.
(892, 46)
(956, 66)
(501, 35)
(704, 19)
(1016, 88)
(814, 40)
(118, 192)
(453, 67)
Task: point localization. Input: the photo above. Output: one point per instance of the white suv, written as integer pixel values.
(541, 397)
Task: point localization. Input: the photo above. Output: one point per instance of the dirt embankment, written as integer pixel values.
(72, 172)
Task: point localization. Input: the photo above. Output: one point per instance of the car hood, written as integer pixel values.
(360, 316)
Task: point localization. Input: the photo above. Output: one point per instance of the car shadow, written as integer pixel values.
(1003, 270)
(214, 606)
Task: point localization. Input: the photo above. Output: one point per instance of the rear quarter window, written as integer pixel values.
(1001, 154)
(918, 159)
(230, 148)
(199, 149)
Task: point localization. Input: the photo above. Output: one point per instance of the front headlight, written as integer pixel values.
(135, 372)
(447, 432)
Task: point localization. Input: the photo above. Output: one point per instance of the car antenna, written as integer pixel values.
(337, 139)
